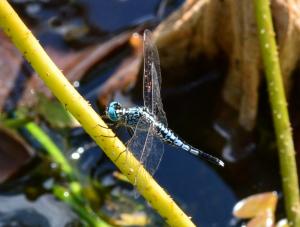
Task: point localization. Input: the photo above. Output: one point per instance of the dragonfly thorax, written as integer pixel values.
(132, 115)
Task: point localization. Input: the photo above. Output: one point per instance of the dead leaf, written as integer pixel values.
(135, 219)
(55, 113)
(212, 28)
(14, 154)
(74, 64)
(126, 74)
(255, 205)
(265, 219)
(10, 64)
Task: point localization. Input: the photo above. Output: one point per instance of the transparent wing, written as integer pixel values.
(152, 79)
(144, 144)
(137, 142)
(146, 147)
(152, 160)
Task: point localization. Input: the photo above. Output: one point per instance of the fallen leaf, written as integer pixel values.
(10, 64)
(212, 28)
(254, 205)
(126, 73)
(14, 154)
(265, 219)
(55, 113)
(74, 64)
(135, 219)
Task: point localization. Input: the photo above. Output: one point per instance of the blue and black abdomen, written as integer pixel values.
(168, 136)
(131, 116)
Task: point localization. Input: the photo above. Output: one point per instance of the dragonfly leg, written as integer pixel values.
(109, 124)
(114, 126)
(114, 136)
(122, 152)
(103, 116)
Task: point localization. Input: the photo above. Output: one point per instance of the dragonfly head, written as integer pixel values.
(111, 111)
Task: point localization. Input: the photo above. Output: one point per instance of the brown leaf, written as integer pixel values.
(10, 65)
(265, 219)
(214, 27)
(74, 64)
(255, 205)
(126, 73)
(14, 154)
(135, 219)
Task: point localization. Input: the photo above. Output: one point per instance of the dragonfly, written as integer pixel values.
(149, 122)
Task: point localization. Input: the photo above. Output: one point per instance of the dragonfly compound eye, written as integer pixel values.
(112, 111)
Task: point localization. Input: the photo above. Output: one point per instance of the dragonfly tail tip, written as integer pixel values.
(207, 157)
(221, 163)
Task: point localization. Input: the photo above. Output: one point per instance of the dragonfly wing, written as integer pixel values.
(140, 143)
(152, 79)
(146, 147)
(152, 160)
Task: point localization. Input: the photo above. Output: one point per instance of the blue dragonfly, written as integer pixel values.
(149, 122)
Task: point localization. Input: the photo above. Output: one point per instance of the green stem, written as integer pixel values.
(16, 123)
(279, 110)
(51, 148)
(86, 214)
(75, 196)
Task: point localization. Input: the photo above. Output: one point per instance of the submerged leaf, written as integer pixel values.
(265, 219)
(255, 205)
(135, 219)
(14, 154)
(54, 112)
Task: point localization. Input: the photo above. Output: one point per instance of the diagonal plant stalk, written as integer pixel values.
(51, 148)
(85, 213)
(23, 39)
(279, 110)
